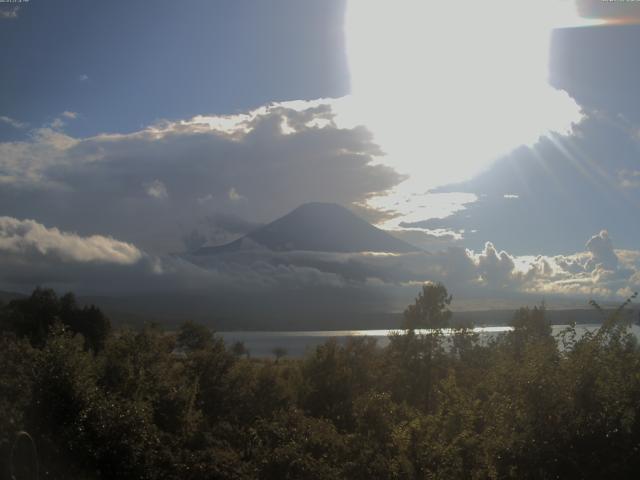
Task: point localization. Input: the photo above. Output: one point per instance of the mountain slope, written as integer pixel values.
(6, 297)
(323, 227)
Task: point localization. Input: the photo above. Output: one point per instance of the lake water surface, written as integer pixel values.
(296, 344)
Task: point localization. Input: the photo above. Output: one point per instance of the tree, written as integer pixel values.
(89, 321)
(94, 326)
(430, 309)
(239, 349)
(279, 352)
(193, 336)
(34, 316)
(531, 322)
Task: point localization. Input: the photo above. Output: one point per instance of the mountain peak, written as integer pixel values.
(325, 227)
(319, 206)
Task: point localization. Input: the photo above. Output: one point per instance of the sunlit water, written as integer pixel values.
(296, 344)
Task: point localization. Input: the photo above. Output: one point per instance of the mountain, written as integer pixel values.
(322, 227)
(6, 297)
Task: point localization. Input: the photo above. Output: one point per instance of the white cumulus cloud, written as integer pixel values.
(27, 238)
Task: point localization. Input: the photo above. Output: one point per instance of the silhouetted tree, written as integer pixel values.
(89, 321)
(531, 322)
(193, 336)
(33, 318)
(430, 309)
(239, 349)
(279, 352)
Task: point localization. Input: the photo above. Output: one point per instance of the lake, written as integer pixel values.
(296, 344)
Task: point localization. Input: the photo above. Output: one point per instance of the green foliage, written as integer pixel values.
(34, 317)
(150, 404)
(295, 446)
(17, 363)
(430, 309)
(193, 336)
(335, 375)
(531, 323)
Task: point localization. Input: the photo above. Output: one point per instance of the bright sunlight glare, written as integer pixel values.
(446, 87)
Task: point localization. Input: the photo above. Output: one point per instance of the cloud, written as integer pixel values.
(30, 238)
(629, 178)
(8, 12)
(447, 118)
(217, 229)
(12, 122)
(31, 253)
(194, 240)
(230, 223)
(70, 115)
(490, 273)
(434, 240)
(58, 123)
(495, 269)
(234, 196)
(83, 77)
(242, 165)
(34, 254)
(220, 177)
(156, 189)
(613, 12)
(599, 271)
(602, 254)
(568, 187)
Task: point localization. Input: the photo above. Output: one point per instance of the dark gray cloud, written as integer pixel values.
(217, 229)
(598, 271)
(426, 240)
(582, 63)
(567, 187)
(32, 253)
(212, 179)
(155, 186)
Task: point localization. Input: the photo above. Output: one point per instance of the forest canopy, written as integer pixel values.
(151, 404)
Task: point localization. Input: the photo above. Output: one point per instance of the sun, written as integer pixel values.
(446, 87)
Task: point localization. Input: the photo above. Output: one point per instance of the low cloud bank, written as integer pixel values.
(31, 253)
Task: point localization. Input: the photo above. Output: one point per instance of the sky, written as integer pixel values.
(501, 137)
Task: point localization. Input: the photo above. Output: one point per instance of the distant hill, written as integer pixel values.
(289, 310)
(6, 297)
(322, 227)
